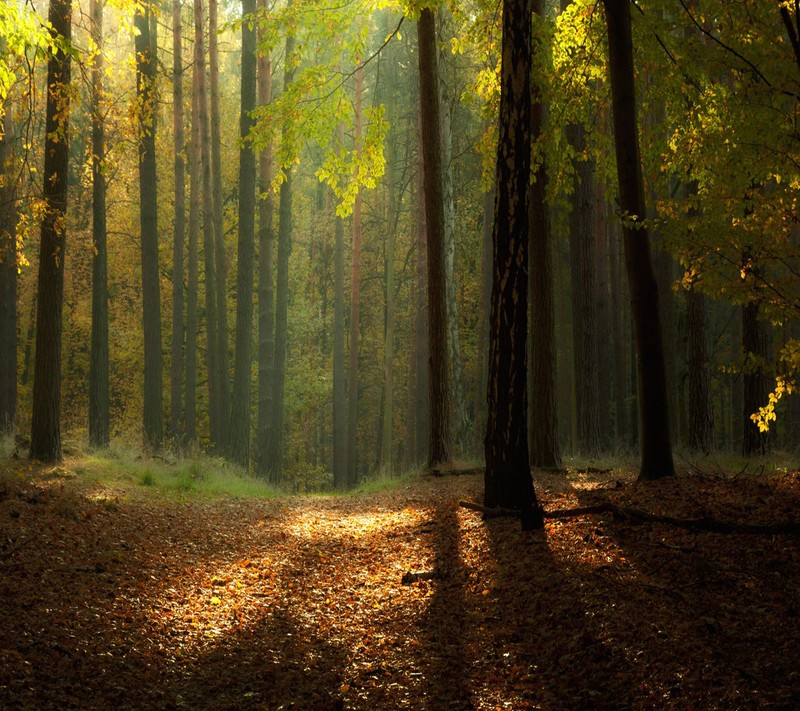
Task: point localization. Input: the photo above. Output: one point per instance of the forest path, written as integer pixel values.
(299, 602)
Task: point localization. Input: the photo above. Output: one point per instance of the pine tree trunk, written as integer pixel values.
(239, 437)
(421, 347)
(605, 361)
(584, 299)
(98, 357)
(275, 441)
(8, 279)
(216, 414)
(266, 306)
(621, 429)
(458, 397)
(439, 434)
(656, 443)
(543, 430)
(46, 414)
(192, 257)
(701, 416)
(355, 304)
(507, 480)
(387, 448)
(220, 266)
(339, 390)
(483, 327)
(146, 70)
(179, 228)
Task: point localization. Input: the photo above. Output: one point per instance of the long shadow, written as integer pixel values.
(710, 618)
(444, 629)
(543, 630)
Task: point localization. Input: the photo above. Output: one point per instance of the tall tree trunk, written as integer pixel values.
(439, 434)
(421, 346)
(8, 279)
(755, 348)
(355, 302)
(146, 68)
(458, 397)
(544, 449)
(239, 437)
(275, 442)
(266, 306)
(192, 257)
(179, 227)
(507, 480)
(216, 413)
(584, 296)
(339, 391)
(220, 266)
(701, 416)
(656, 443)
(387, 448)
(605, 361)
(98, 358)
(46, 414)
(483, 328)
(621, 429)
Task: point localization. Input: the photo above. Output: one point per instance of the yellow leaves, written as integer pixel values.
(215, 601)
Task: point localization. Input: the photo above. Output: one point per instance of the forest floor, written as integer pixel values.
(113, 600)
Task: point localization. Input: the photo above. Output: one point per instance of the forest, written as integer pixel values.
(307, 307)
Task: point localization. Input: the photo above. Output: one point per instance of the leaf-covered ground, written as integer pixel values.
(136, 602)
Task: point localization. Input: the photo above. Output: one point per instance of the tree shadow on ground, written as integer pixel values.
(707, 619)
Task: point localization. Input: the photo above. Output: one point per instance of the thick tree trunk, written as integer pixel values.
(266, 306)
(605, 360)
(656, 443)
(98, 357)
(239, 436)
(146, 69)
(8, 279)
(275, 441)
(355, 304)
(543, 429)
(507, 480)
(46, 414)
(179, 229)
(192, 257)
(621, 429)
(439, 434)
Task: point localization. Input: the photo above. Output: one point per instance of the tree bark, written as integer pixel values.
(8, 278)
(146, 69)
(216, 413)
(701, 415)
(239, 436)
(275, 441)
(339, 390)
(656, 444)
(355, 303)
(266, 306)
(449, 211)
(220, 266)
(544, 449)
(507, 480)
(46, 414)
(98, 358)
(179, 229)
(439, 434)
(483, 332)
(192, 257)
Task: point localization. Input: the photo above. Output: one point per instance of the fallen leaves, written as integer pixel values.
(301, 602)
